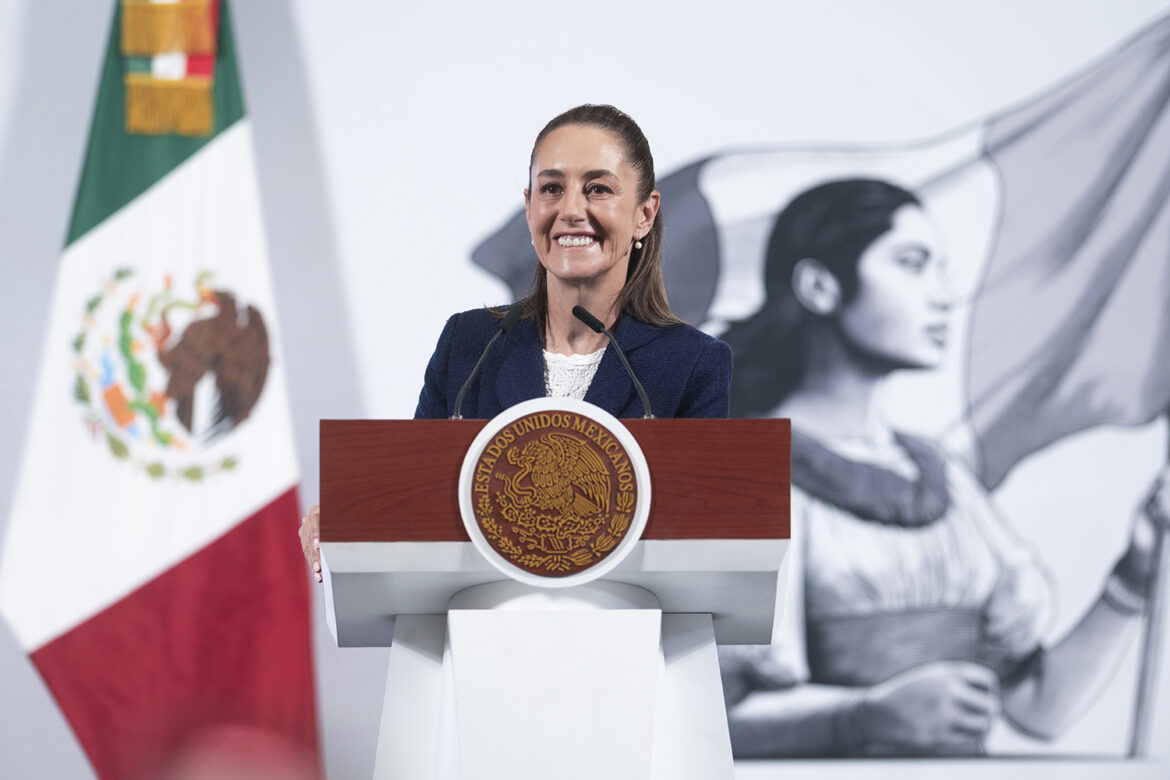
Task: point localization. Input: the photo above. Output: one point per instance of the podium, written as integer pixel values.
(494, 678)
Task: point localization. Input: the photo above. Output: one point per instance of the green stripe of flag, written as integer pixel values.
(118, 166)
(137, 64)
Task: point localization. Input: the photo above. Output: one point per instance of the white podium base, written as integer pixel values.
(517, 683)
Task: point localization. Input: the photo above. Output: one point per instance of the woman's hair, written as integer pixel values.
(644, 295)
(832, 223)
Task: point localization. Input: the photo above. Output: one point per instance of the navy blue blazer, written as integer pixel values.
(685, 372)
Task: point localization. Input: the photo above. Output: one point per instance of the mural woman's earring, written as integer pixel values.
(637, 245)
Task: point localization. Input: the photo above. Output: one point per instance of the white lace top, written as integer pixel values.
(569, 376)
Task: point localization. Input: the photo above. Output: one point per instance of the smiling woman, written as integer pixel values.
(609, 206)
(596, 222)
(586, 220)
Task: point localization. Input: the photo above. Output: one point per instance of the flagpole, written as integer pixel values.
(1151, 648)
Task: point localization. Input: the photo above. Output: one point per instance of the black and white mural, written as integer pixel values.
(1021, 264)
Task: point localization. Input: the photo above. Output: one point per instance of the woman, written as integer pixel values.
(596, 226)
(913, 618)
(593, 212)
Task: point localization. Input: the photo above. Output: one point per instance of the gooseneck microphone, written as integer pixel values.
(515, 312)
(581, 313)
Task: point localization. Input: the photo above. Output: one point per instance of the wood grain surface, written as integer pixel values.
(397, 480)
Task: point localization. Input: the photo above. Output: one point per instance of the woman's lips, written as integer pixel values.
(938, 333)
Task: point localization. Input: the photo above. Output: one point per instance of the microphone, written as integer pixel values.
(581, 313)
(515, 312)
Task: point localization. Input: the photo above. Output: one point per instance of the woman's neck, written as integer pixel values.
(836, 397)
(564, 334)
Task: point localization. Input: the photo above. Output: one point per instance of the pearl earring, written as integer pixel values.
(637, 245)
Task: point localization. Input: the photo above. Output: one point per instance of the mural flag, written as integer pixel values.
(1071, 326)
(1056, 220)
(151, 569)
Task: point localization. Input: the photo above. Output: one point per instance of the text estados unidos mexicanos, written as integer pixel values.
(570, 422)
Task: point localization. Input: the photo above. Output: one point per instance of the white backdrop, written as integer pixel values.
(393, 137)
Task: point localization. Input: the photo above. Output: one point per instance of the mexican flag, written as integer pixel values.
(152, 570)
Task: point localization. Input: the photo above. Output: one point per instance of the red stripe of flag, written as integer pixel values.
(210, 661)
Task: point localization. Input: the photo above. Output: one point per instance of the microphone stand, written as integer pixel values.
(581, 313)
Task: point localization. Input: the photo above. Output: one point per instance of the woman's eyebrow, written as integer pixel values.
(597, 173)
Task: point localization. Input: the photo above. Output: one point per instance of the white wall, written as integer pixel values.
(393, 137)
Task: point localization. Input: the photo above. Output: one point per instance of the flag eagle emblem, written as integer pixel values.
(164, 373)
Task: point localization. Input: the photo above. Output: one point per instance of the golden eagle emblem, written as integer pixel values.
(552, 498)
(562, 475)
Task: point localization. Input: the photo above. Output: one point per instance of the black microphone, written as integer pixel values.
(581, 313)
(515, 312)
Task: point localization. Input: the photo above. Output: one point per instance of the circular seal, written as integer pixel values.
(554, 492)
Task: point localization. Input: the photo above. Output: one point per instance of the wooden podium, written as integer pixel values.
(491, 678)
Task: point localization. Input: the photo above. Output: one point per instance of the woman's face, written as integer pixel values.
(582, 207)
(900, 312)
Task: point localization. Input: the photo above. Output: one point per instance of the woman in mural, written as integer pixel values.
(595, 224)
(913, 617)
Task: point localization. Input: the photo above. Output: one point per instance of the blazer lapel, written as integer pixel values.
(611, 388)
(521, 374)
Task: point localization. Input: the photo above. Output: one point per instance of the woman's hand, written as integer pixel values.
(1136, 568)
(1154, 517)
(943, 703)
(311, 539)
